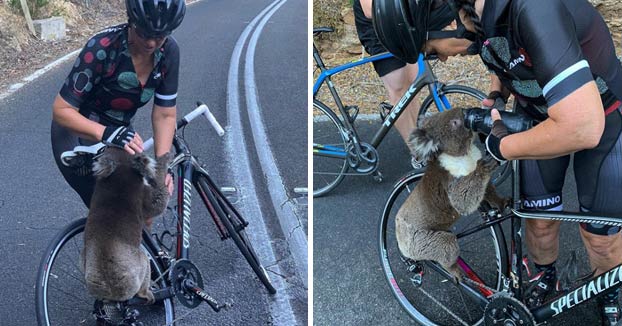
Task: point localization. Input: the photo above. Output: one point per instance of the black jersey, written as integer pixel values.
(104, 85)
(544, 50)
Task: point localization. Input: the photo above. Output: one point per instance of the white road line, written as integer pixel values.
(37, 73)
(284, 207)
(237, 152)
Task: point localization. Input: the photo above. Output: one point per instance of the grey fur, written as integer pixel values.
(440, 198)
(128, 190)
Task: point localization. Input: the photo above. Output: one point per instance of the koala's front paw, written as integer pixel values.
(488, 163)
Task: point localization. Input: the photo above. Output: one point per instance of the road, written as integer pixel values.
(349, 287)
(270, 83)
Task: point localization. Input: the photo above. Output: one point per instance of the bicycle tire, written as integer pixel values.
(225, 209)
(328, 130)
(462, 96)
(437, 300)
(48, 277)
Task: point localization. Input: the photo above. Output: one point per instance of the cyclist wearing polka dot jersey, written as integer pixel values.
(103, 81)
(119, 70)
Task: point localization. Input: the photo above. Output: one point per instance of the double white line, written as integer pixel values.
(237, 149)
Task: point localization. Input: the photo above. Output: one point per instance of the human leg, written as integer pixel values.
(541, 186)
(599, 180)
(80, 179)
(397, 83)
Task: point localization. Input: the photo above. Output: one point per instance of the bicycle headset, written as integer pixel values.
(155, 18)
(403, 26)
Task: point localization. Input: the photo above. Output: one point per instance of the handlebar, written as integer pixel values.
(201, 109)
(74, 157)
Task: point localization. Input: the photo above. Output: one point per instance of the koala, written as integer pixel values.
(128, 190)
(456, 181)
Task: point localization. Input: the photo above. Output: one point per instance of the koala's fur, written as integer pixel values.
(128, 190)
(454, 184)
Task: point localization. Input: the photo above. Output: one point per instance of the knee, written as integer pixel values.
(543, 229)
(602, 245)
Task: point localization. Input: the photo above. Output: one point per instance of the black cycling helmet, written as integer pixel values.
(155, 17)
(400, 32)
(403, 26)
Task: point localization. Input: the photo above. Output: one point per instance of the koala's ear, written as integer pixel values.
(104, 166)
(422, 145)
(144, 165)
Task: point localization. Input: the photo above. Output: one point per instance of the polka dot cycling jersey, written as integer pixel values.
(104, 85)
(544, 50)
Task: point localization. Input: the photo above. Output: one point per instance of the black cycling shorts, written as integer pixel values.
(598, 174)
(369, 40)
(80, 179)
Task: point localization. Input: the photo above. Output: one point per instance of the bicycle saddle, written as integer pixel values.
(76, 156)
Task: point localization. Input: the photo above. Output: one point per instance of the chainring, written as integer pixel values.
(505, 310)
(186, 270)
(367, 163)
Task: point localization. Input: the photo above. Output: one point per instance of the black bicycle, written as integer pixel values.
(61, 295)
(492, 289)
(337, 147)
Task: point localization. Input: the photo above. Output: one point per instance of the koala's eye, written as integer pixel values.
(455, 123)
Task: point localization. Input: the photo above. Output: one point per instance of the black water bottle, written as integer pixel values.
(479, 120)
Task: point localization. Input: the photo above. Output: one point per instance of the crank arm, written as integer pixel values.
(191, 286)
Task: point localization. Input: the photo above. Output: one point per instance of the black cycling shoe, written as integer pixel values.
(539, 288)
(610, 313)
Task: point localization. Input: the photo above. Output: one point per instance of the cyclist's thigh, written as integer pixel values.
(598, 171)
(542, 182)
(82, 183)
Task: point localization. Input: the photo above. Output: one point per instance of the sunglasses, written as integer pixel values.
(149, 36)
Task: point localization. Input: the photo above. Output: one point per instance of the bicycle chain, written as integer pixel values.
(479, 285)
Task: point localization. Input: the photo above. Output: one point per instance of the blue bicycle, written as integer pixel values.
(337, 147)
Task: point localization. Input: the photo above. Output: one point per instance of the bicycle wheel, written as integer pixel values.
(432, 299)
(329, 149)
(61, 295)
(233, 223)
(461, 97)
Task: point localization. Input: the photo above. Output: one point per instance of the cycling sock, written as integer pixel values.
(550, 273)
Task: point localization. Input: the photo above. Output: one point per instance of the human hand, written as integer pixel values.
(123, 137)
(498, 131)
(494, 100)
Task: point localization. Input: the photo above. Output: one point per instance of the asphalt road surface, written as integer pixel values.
(270, 86)
(349, 286)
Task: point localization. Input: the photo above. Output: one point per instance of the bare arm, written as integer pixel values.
(68, 116)
(164, 120)
(366, 5)
(575, 123)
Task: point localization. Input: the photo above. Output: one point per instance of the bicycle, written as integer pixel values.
(491, 291)
(61, 296)
(337, 146)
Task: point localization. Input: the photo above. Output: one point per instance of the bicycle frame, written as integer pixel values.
(425, 77)
(187, 170)
(569, 299)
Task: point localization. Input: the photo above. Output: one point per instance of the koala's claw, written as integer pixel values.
(489, 163)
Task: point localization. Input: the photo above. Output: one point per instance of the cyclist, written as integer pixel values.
(396, 75)
(118, 71)
(558, 60)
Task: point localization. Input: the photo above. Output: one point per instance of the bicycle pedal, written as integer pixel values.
(352, 116)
